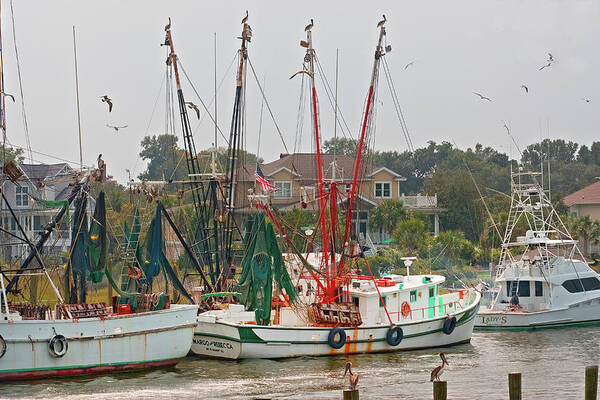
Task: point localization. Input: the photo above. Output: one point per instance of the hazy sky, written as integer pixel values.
(459, 47)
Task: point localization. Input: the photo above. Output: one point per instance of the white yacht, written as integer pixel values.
(542, 278)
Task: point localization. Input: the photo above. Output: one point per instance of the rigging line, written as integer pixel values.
(150, 121)
(268, 106)
(329, 93)
(300, 116)
(218, 89)
(396, 101)
(43, 154)
(24, 115)
(201, 101)
(260, 119)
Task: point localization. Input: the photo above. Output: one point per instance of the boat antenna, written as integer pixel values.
(214, 150)
(77, 96)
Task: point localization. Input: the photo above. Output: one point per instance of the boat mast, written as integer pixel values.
(366, 125)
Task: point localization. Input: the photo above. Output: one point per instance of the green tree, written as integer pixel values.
(12, 154)
(411, 236)
(164, 158)
(450, 249)
(386, 215)
(586, 230)
(342, 146)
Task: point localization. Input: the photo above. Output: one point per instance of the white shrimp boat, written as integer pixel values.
(542, 279)
(421, 318)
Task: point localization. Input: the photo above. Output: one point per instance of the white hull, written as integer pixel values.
(120, 342)
(218, 338)
(587, 311)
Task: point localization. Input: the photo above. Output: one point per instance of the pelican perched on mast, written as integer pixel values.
(437, 371)
(353, 379)
(382, 22)
(309, 26)
(245, 19)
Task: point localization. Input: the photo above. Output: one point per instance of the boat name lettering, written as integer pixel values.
(493, 320)
(213, 344)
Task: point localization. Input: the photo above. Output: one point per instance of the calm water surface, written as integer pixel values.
(552, 362)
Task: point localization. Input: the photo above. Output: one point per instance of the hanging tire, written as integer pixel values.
(449, 325)
(2, 346)
(336, 338)
(394, 336)
(58, 346)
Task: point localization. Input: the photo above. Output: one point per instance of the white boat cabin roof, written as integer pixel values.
(397, 283)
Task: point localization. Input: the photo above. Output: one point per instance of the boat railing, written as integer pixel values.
(424, 311)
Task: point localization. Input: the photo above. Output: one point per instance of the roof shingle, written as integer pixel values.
(588, 195)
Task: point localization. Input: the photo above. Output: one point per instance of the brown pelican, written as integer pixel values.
(550, 58)
(353, 379)
(100, 161)
(309, 26)
(437, 371)
(168, 26)
(107, 100)
(302, 72)
(116, 128)
(482, 97)
(245, 19)
(194, 107)
(526, 88)
(382, 22)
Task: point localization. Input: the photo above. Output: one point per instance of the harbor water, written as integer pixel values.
(552, 362)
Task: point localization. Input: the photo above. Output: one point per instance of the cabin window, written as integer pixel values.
(432, 291)
(511, 288)
(539, 288)
(383, 301)
(285, 190)
(524, 289)
(575, 285)
(21, 195)
(413, 296)
(355, 301)
(383, 190)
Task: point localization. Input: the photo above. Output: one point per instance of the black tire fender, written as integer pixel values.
(2, 346)
(449, 325)
(333, 334)
(58, 346)
(394, 336)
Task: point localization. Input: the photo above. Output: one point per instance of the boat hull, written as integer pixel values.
(585, 312)
(222, 339)
(95, 345)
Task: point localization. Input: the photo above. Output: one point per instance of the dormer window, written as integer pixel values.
(285, 190)
(383, 190)
(21, 196)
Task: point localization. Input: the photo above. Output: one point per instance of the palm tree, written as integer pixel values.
(411, 235)
(386, 216)
(586, 230)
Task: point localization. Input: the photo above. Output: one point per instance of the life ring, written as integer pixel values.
(58, 346)
(2, 346)
(134, 273)
(405, 309)
(340, 335)
(394, 336)
(449, 325)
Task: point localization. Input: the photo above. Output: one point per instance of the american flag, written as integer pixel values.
(264, 183)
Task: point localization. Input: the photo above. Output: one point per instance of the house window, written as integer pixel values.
(383, 190)
(285, 190)
(539, 289)
(21, 196)
(413, 296)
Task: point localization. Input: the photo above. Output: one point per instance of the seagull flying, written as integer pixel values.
(409, 64)
(9, 95)
(107, 100)
(550, 58)
(545, 66)
(586, 100)
(194, 107)
(526, 88)
(302, 72)
(116, 128)
(482, 97)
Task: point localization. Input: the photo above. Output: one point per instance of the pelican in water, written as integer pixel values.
(437, 371)
(309, 26)
(194, 107)
(353, 379)
(107, 100)
(382, 22)
(302, 72)
(245, 19)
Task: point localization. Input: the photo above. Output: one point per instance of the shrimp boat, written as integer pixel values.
(329, 308)
(76, 337)
(542, 278)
